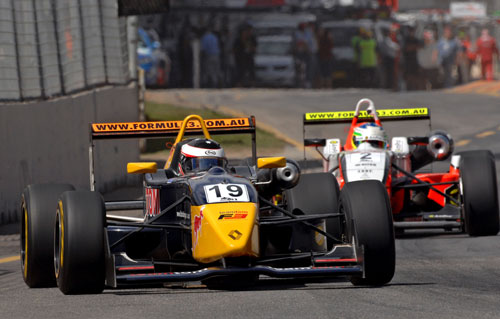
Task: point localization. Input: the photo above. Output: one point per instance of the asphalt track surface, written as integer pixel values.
(438, 274)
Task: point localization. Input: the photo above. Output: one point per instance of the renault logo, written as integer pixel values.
(235, 234)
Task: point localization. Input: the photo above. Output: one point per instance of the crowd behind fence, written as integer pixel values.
(260, 49)
(51, 48)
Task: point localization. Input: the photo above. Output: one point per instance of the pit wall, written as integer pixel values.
(48, 141)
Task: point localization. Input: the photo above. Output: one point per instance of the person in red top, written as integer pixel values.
(486, 49)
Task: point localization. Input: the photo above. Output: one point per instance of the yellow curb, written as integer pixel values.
(485, 134)
(153, 97)
(489, 87)
(266, 127)
(467, 87)
(9, 259)
(462, 143)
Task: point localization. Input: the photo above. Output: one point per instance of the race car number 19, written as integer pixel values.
(220, 193)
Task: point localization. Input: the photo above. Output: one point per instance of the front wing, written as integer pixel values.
(343, 260)
(312, 271)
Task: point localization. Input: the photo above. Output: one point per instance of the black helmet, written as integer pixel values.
(201, 154)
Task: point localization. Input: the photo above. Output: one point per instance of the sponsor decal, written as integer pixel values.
(366, 157)
(235, 234)
(197, 226)
(167, 125)
(442, 216)
(182, 214)
(152, 202)
(387, 113)
(239, 214)
(191, 151)
(318, 237)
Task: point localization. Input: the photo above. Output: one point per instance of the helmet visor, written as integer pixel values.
(377, 144)
(195, 164)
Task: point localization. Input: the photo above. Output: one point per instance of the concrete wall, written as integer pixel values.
(48, 141)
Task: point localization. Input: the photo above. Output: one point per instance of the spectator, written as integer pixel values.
(312, 44)
(428, 60)
(411, 67)
(367, 59)
(210, 55)
(355, 46)
(448, 47)
(185, 54)
(354, 43)
(390, 51)
(325, 58)
(225, 56)
(486, 49)
(244, 49)
(467, 58)
(302, 53)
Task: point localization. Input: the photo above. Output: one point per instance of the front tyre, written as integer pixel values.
(79, 243)
(38, 204)
(479, 193)
(366, 206)
(317, 193)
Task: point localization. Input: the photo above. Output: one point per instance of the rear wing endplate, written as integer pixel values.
(422, 113)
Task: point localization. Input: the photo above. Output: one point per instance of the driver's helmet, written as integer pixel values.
(201, 154)
(369, 133)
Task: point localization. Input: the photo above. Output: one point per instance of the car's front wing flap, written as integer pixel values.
(343, 260)
(311, 271)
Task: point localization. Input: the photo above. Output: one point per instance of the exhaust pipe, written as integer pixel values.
(440, 145)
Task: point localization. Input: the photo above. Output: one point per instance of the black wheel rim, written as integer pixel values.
(57, 243)
(24, 239)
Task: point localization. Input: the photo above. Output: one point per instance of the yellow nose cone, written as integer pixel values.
(224, 230)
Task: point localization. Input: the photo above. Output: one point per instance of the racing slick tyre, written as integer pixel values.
(79, 243)
(478, 183)
(368, 224)
(317, 193)
(38, 205)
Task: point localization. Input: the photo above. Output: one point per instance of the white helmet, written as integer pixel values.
(201, 154)
(370, 133)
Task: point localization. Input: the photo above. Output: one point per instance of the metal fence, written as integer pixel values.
(56, 47)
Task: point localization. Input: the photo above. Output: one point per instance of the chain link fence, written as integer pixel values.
(51, 48)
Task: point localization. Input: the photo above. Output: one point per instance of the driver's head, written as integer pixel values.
(200, 154)
(369, 133)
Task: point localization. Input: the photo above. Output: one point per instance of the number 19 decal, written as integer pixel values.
(220, 193)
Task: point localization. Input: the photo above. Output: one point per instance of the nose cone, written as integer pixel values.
(224, 230)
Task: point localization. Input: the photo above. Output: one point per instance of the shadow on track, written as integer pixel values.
(426, 233)
(265, 284)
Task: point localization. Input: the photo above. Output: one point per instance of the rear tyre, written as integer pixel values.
(38, 204)
(317, 193)
(479, 193)
(79, 243)
(366, 206)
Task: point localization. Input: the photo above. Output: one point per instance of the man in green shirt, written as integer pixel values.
(368, 59)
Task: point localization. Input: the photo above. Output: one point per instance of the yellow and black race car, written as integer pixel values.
(204, 220)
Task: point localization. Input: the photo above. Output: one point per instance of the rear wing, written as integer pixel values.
(161, 129)
(170, 128)
(422, 113)
(384, 115)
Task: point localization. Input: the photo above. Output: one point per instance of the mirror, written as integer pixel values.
(141, 167)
